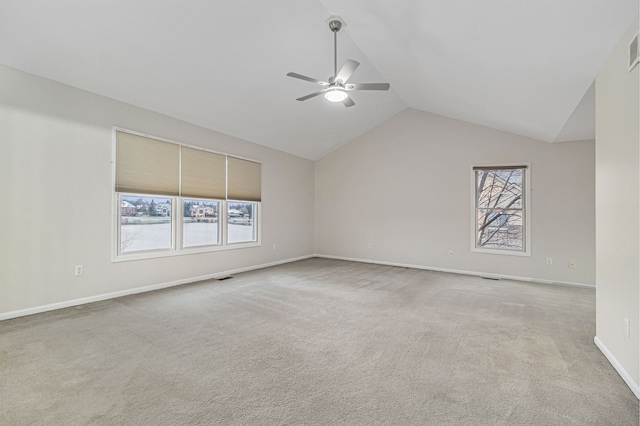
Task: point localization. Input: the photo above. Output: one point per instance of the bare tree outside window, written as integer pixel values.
(499, 206)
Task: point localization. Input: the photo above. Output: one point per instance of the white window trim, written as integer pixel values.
(176, 221)
(526, 212)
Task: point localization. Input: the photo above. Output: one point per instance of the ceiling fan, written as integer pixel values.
(335, 90)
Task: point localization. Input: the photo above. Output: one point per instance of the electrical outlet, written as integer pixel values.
(572, 264)
(450, 252)
(79, 270)
(549, 261)
(274, 246)
(370, 245)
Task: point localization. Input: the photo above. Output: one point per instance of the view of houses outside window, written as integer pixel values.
(200, 223)
(500, 208)
(145, 224)
(241, 222)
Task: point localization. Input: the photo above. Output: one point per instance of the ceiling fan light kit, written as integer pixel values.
(336, 88)
(335, 94)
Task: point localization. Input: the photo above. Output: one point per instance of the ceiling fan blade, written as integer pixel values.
(313, 95)
(367, 86)
(348, 102)
(305, 78)
(347, 69)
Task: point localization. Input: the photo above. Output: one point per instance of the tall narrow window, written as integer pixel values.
(204, 176)
(243, 195)
(500, 213)
(148, 170)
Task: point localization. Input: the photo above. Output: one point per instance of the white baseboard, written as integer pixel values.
(619, 368)
(107, 296)
(462, 272)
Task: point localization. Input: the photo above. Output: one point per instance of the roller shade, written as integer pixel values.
(243, 179)
(146, 165)
(203, 174)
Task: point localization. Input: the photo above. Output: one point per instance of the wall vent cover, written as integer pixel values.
(634, 53)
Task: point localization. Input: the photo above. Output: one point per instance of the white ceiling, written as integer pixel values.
(526, 67)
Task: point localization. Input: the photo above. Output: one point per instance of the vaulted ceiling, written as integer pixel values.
(523, 67)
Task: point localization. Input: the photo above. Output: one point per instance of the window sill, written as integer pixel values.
(505, 252)
(127, 257)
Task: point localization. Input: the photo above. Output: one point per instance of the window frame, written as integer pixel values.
(177, 220)
(526, 211)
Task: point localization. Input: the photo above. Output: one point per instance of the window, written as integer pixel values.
(241, 223)
(200, 223)
(145, 223)
(174, 199)
(500, 209)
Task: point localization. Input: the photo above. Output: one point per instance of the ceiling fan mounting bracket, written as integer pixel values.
(336, 23)
(335, 26)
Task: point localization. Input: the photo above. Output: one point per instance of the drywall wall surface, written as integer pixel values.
(618, 207)
(57, 196)
(402, 193)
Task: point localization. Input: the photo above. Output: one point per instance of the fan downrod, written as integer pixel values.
(334, 26)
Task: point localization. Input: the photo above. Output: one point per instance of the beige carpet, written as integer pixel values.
(317, 342)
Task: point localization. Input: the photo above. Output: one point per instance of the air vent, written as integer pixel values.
(634, 53)
(228, 277)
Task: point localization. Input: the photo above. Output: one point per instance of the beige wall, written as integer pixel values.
(57, 197)
(405, 187)
(617, 210)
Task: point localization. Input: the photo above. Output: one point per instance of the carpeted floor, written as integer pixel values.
(317, 342)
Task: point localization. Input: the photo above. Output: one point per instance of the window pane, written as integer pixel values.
(241, 223)
(201, 225)
(145, 223)
(499, 229)
(499, 188)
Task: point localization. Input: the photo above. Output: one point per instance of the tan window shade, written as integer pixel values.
(146, 165)
(204, 174)
(243, 180)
